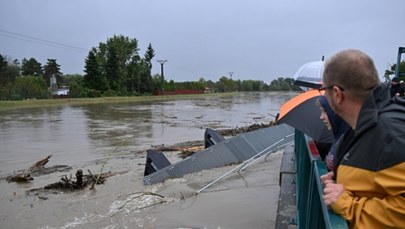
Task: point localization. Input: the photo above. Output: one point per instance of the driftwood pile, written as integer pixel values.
(20, 177)
(66, 183)
(37, 169)
(81, 182)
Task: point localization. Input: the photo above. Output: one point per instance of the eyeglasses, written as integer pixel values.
(329, 87)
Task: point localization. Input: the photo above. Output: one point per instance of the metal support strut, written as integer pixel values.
(243, 165)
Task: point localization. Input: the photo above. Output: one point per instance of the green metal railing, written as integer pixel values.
(311, 211)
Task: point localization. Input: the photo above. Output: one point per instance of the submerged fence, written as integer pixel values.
(233, 150)
(311, 211)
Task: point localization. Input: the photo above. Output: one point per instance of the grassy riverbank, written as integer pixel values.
(7, 105)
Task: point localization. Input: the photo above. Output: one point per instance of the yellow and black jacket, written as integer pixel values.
(371, 166)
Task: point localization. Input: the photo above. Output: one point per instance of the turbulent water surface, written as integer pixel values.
(110, 137)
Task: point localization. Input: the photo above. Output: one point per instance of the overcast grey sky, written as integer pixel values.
(255, 39)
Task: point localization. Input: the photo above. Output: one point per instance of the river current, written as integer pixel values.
(107, 137)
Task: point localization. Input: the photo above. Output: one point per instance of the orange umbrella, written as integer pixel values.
(302, 113)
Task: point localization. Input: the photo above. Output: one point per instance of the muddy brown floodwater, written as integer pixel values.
(113, 138)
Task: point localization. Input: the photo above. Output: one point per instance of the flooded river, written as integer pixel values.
(107, 137)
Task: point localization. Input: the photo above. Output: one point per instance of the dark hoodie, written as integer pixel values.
(339, 127)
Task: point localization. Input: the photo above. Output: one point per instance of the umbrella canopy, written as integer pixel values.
(302, 113)
(309, 75)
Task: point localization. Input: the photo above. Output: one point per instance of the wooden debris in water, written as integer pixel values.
(20, 177)
(236, 131)
(190, 151)
(40, 164)
(69, 184)
(80, 181)
(37, 169)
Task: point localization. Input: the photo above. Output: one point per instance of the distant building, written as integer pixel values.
(62, 91)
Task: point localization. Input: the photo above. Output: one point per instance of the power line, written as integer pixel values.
(40, 41)
(36, 42)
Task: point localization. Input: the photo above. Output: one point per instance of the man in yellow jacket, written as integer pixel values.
(367, 188)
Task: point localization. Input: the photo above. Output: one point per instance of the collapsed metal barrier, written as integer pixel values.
(250, 161)
(233, 150)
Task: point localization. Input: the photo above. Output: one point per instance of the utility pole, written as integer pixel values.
(230, 74)
(162, 62)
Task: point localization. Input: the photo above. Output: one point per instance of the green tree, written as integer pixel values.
(246, 85)
(146, 82)
(9, 70)
(211, 85)
(391, 71)
(94, 77)
(116, 67)
(146, 71)
(29, 87)
(149, 54)
(68, 78)
(118, 62)
(283, 84)
(4, 76)
(157, 82)
(225, 84)
(120, 50)
(187, 85)
(52, 68)
(257, 85)
(76, 88)
(31, 67)
(134, 75)
(279, 84)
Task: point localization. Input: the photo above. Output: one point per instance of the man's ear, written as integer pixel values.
(338, 95)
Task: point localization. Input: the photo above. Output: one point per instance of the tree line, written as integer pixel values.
(27, 80)
(113, 68)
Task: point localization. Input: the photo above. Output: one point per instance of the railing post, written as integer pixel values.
(311, 211)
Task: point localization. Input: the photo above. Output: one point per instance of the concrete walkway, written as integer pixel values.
(286, 214)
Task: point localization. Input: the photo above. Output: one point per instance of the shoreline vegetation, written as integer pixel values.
(36, 103)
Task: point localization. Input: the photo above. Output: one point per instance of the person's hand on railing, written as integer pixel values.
(327, 178)
(332, 191)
